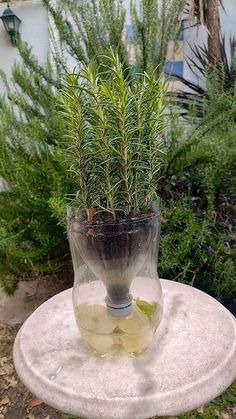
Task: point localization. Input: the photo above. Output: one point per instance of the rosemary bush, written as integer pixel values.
(113, 145)
(87, 28)
(198, 243)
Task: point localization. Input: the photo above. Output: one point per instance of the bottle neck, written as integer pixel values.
(121, 308)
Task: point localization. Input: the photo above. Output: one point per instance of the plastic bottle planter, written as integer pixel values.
(117, 294)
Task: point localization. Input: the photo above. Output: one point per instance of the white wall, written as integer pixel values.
(228, 17)
(228, 20)
(33, 29)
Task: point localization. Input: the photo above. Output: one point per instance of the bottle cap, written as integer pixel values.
(121, 309)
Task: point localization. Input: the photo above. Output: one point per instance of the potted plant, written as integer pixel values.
(114, 150)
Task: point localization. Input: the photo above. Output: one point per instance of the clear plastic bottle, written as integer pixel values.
(117, 294)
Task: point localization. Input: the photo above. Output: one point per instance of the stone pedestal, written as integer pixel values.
(191, 361)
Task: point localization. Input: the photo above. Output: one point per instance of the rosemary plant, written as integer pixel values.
(113, 145)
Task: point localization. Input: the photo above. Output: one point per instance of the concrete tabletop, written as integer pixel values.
(191, 361)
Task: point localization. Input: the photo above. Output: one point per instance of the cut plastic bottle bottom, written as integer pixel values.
(102, 331)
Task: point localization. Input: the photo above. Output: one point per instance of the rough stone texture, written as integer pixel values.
(192, 360)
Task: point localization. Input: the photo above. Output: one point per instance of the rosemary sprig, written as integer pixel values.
(114, 141)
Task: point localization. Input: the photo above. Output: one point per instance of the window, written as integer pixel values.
(174, 67)
(129, 33)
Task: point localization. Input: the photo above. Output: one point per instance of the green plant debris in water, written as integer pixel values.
(147, 308)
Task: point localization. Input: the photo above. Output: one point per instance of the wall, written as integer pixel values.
(33, 29)
(228, 20)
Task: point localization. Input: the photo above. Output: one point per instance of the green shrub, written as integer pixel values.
(31, 241)
(198, 244)
(194, 253)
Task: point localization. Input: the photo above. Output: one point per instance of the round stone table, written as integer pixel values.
(191, 361)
